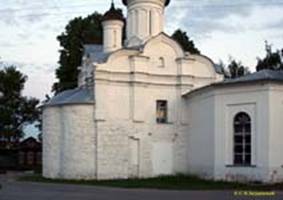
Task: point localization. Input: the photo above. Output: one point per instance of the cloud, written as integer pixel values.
(17, 12)
(8, 16)
(201, 18)
(277, 24)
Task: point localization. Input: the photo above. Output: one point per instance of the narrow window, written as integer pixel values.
(136, 23)
(115, 38)
(242, 139)
(161, 62)
(150, 23)
(161, 111)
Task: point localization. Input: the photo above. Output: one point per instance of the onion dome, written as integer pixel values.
(125, 2)
(113, 14)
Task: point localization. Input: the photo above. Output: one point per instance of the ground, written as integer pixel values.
(14, 190)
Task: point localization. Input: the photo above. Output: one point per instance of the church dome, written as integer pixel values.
(113, 14)
(125, 2)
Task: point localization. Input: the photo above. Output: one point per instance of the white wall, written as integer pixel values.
(212, 111)
(201, 135)
(127, 87)
(145, 19)
(69, 142)
(162, 158)
(51, 142)
(276, 134)
(112, 35)
(253, 100)
(98, 142)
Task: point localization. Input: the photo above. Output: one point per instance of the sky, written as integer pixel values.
(219, 28)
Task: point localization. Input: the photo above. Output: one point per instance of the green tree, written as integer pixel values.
(236, 69)
(223, 69)
(272, 60)
(182, 38)
(16, 111)
(78, 32)
(38, 125)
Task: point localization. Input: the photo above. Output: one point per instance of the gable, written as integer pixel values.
(163, 44)
(202, 66)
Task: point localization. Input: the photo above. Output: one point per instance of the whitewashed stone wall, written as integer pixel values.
(120, 138)
(112, 35)
(69, 142)
(51, 142)
(275, 114)
(145, 19)
(212, 111)
(127, 87)
(114, 150)
(201, 135)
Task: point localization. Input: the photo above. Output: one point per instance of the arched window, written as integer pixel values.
(161, 62)
(242, 139)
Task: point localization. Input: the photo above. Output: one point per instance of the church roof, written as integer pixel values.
(113, 14)
(263, 75)
(95, 53)
(74, 96)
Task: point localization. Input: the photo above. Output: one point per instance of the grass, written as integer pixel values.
(180, 182)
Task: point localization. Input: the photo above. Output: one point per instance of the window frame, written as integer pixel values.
(242, 139)
(159, 109)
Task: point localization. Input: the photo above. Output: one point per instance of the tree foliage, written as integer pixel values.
(234, 69)
(272, 60)
(15, 110)
(182, 38)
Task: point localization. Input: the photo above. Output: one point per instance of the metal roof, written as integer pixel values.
(263, 75)
(74, 96)
(113, 14)
(271, 75)
(95, 53)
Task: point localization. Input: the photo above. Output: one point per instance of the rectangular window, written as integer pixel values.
(161, 111)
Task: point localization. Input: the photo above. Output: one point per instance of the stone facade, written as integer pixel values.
(217, 106)
(107, 128)
(117, 135)
(69, 142)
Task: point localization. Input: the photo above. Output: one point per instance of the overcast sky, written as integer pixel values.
(219, 28)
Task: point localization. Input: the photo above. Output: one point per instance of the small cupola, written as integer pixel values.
(113, 23)
(113, 14)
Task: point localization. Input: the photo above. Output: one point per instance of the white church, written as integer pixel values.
(147, 108)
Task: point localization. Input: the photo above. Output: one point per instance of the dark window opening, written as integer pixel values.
(161, 111)
(242, 139)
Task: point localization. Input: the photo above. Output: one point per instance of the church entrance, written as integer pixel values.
(134, 157)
